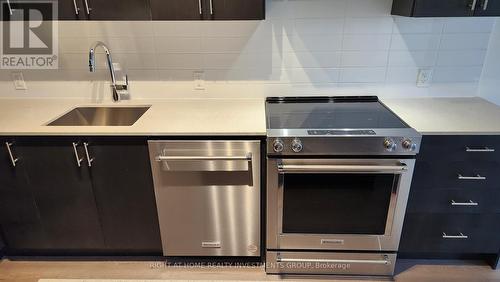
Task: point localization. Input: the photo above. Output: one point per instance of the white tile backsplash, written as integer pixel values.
(303, 44)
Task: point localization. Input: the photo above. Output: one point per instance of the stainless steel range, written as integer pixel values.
(338, 176)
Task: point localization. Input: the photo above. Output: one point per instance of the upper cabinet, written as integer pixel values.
(208, 9)
(103, 10)
(145, 10)
(446, 8)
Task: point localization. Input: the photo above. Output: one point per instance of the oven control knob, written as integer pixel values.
(389, 144)
(409, 145)
(297, 146)
(278, 146)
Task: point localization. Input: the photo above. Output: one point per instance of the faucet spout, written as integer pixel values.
(92, 68)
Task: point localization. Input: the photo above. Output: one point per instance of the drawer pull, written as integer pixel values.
(470, 203)
(477, 177)
(461, 236)
(479, 150)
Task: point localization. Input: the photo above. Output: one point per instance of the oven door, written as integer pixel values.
(337, 204)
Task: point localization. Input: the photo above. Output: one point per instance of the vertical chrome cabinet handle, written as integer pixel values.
(10, 7)
(89, 159)
(470, 203)
(9, 150)
(485, 5)
(211, 7)
(78, 159)
(479, 150)
(87, 7)
(77, 10)
(460, 236)
(200, 7)
(473, 5)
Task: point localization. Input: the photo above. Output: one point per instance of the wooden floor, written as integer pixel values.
(31, 271)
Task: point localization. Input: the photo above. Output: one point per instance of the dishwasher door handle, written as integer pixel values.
(248, 157)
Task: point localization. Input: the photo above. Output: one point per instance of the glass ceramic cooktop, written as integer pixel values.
(330, 113)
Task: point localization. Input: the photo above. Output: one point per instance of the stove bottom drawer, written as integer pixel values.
(330, 263)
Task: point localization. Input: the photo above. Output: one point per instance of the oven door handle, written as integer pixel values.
(397, 169)
(385, 261)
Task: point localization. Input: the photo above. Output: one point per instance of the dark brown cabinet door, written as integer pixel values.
(449, 8)
(177, 9)
(63, 193)
(433, 8)
(488, 8)
(103, 10)
(70, 10)
(19, 218)
(235, 9)
(123, 186)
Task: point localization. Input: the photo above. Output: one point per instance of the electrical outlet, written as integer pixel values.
(199, 80)
(18, 79)
(424, 77)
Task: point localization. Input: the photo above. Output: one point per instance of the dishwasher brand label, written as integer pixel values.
(29, 34)
(210, 244)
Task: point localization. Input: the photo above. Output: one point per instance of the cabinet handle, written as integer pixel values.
(12, 159)
(477, 177)
(480, 150)
(78, 159)
(485, 5)
(10, 7)
(87, 7)
(200, 7)
(470, 203)
(461, 236)
(77, 10)
(211, 7)
(473, 5)
(89, 159)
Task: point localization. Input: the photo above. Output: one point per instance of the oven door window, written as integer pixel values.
(315, 203)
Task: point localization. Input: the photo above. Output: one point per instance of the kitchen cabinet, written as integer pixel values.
(454, 204)
(63, 193)
(236, 9)
(208, 9)
(131, 10)
(76, 195)
(123, 186)
(19, 218)
(177, 10)
(446, 8)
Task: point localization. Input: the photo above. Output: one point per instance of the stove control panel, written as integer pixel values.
(343, 145)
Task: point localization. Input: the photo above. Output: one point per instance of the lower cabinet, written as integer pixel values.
(78, 196)
(454, 204)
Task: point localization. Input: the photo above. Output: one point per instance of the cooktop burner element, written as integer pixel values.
(359, 125)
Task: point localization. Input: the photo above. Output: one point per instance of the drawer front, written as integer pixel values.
(439, 233)
(473, 200)
(441, 174)
(460, 148)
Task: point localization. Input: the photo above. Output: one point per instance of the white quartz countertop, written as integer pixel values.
(448, 116)
(187, 117)
(238, 117)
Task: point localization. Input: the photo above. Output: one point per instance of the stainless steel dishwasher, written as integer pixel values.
(208, 197)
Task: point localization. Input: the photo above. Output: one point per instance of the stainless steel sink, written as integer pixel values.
(101, 116)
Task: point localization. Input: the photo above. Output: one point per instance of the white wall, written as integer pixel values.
(490, 79)
(304, 47)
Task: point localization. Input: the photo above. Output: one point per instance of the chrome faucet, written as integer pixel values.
(118, 89)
